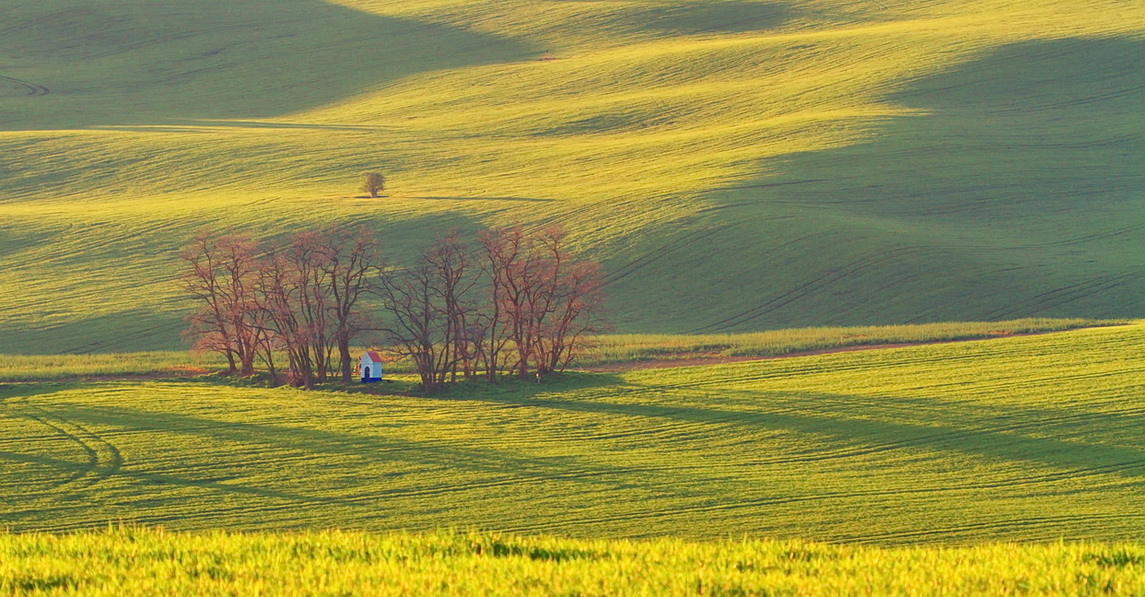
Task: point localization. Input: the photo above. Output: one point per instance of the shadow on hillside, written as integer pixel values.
(711, 17)
(145, 62)
(481, 198)
(130, 331)
(684, 17)
(1013, 192)
(1045, 125)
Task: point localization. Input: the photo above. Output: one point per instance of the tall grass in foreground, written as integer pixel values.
(148, 562)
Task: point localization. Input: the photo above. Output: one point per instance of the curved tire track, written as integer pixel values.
(103, 459)
(29, 89)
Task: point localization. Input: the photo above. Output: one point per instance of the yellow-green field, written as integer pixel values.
(736, 165)
(621, 350)
(1034, 438)
(142, 562)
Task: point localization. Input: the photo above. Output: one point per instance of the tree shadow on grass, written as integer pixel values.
(847, 429)
(368, 447)
(840, 428)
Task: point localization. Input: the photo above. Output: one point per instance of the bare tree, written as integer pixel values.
(296, 293)
(373, 183)
(221, 275)
(351, 262)
(451, 263)
(416, 327)
(278, 298)
(545, 301)
(569, 306)
(306, 258)
(429, 309)
(503, 250)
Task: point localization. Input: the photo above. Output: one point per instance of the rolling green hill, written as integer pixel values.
(1033, 438)
(736, 165)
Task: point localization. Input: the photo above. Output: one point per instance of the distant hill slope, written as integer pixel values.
(736, 165)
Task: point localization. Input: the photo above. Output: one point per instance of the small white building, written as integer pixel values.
(371, 367)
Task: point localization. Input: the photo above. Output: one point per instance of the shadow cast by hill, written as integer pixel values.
(1012, 190)
(142, 62)
(692, 17)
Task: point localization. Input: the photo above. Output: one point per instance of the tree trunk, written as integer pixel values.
(344, 357)
(231, 368)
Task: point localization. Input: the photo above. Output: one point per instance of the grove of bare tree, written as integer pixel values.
(516, 303)
(300, 297)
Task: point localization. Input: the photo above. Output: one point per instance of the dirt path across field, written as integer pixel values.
(716, 359)
(681, 360)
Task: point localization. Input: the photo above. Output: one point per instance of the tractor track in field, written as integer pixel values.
(1057, 297)
(29, 89)
(716, 359)
(990, 527)
(939, 440)
(1109, 234)
(1080, 101)
(808, 288)
(924, 439)
(103, 459)
(653, 256)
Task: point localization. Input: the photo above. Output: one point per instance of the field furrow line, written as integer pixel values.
(806, 289)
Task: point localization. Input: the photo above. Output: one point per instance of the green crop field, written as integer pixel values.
(833, 171)
(608, 351)
(736, 165)
(1033, 438)
(1004, 466)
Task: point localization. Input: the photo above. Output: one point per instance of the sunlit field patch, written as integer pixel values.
(133, 561)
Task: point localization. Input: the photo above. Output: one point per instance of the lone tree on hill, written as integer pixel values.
(373, 183)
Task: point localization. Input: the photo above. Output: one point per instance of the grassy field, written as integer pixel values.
(58, 367)
(631, 350)
(146, 562)
(1030, 439)
(737, 165)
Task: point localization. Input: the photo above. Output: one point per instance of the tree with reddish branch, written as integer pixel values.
(352, 262)
(221, 275)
